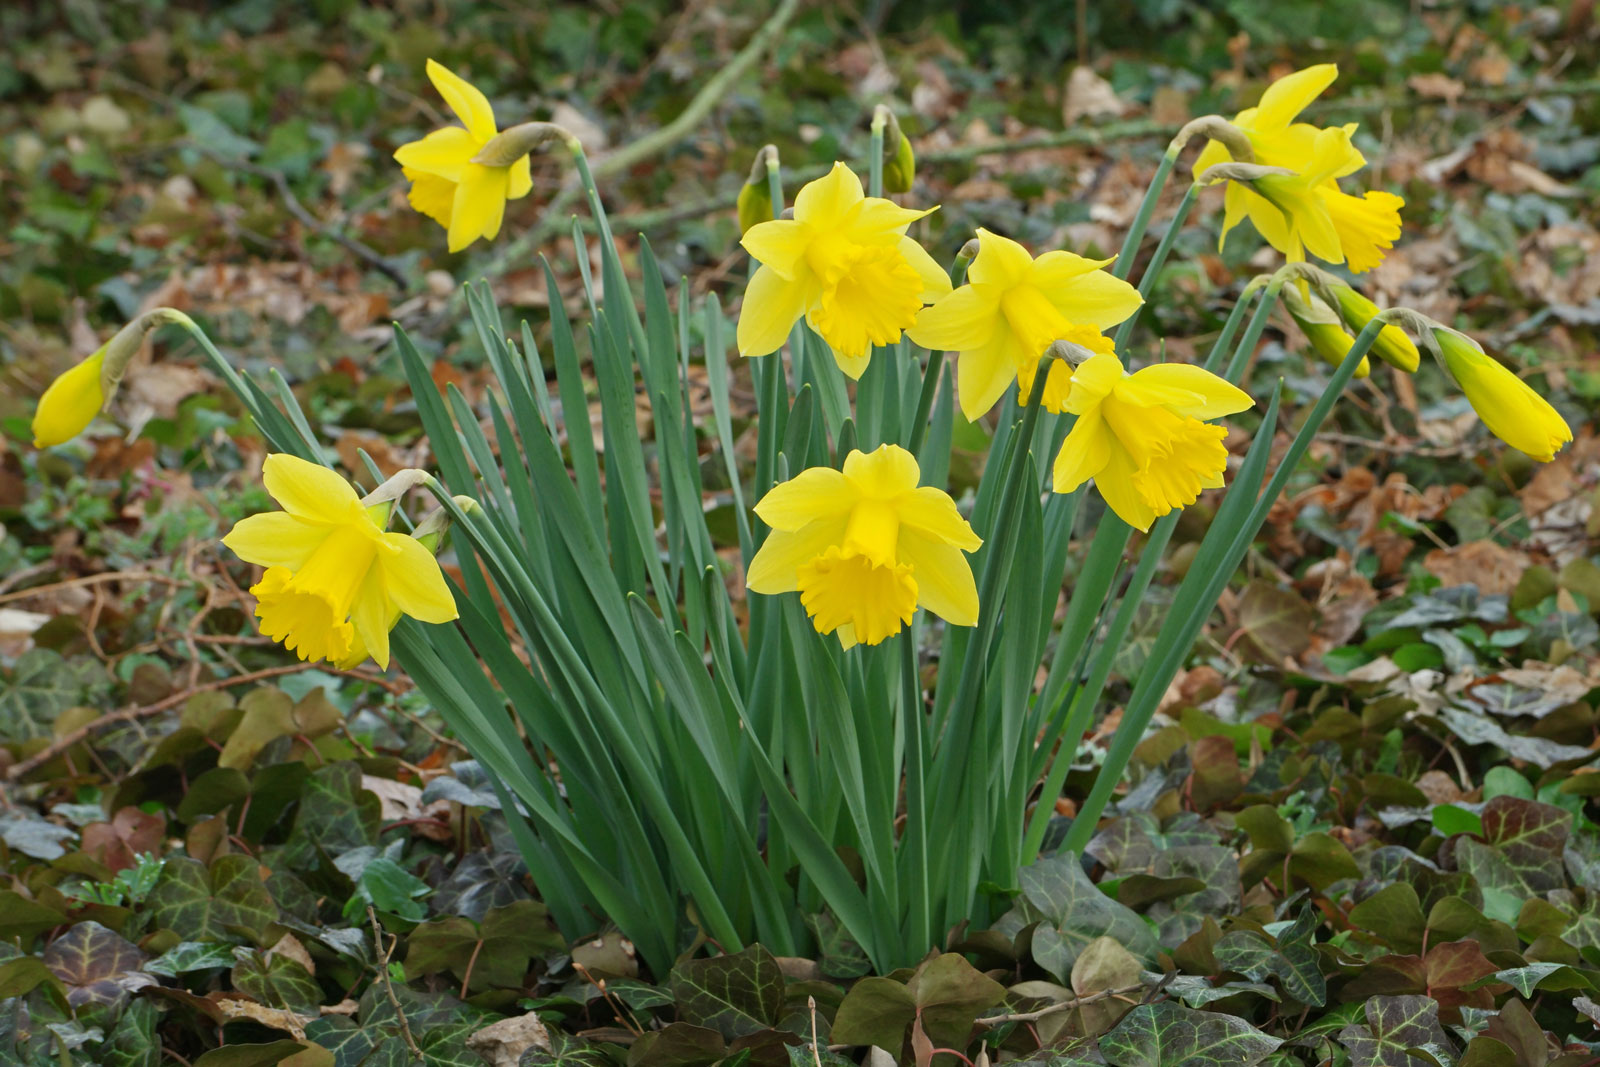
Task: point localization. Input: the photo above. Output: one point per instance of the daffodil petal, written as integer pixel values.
(1000, 261)
(519, 183)
(1212, 154)
(774, 567)
(306, 490)
(1083, 454)
(431, 195)
(984, 373)
(814, 493)
(885, 472)
(945, 585)
(371, 617)
(931, 513)
(825, 201)
(935, 280)
(1285, 98)
(1092, 381)
(966, 319)
(772, 305)
(275, 539)
(779, 244)
(1187, 389)
(1054, 270)
(479, 206)
(879, 219)
(464, 98)
(412, 580)
(1095, 299)
(444, 153)
(1115, 481)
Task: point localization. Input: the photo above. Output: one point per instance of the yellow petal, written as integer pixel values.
(825, 202)
(1083, 454)
(371, 617)
(814, 493)
(984, 373)
(1092, 382)
(964, 320)
(479, 206)
(931, 513)
(275, 539)
(470, 105)
(772, 305)
(1000, 261)
(445, 153)
(1285, 98)
(70, 403)
(1212, 154)
(1186, 389)
(1095, 299)
(519, 183)
(874, 295)
(1055, 270)
(779, 244)
(1367, 225)
(852, 366)
(877, 219)
(431, 195)
(1115, 481)
(873, 531)
(308, 491)
(884, 473)
(412, 580)
(774, 567)
(839, 589)
(944, 578)
(935, 279)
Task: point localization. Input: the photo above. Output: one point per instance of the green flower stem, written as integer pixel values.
(875, 159)
(1141, 220)
(1252, 333)
(1195, 600)
(914, 841)
(1147, 281)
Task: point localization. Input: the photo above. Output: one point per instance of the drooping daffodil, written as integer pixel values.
(1507, 405)
(866, 546)
(70, 403)
(1142, 437)
(1305, 210)
(336, 582)
(1010, 310)
(845, 264)
(467, 198)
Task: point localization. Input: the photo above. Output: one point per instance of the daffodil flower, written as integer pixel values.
(1308, 211)
(1507, 405)
(70, 403)
(845, 264)
(866, 546)
(467, 198)
(1010, 310)
(335, 581)
(1141, 436)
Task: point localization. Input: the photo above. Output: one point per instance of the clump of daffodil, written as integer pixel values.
(1290, 189)
(1392, 345)
(1010, 310)
(467, 198)
(845, 264)
(1142, 437)
(335, 581)
(866, 546)
(70, 403)
(1322, 327)
(1507, 405)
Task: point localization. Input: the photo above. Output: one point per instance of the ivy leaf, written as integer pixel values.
(1170, 1035)
(187, 956)
(1394, 915)
(218, 904)
(24, 918)
(335, 816)
(1075, 912)
(876, 1011)
(41, 686)
(734, 995)
(1550, 976)
(950, 994)
(518, 932)
(280, 982)
(97, 965)
(250, 1055)
(133, 1042)
(1394, 1025)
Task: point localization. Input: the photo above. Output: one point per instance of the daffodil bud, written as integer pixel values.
(1392, 345)
(1507, 405)
(755, 197)
(1320, 323)
(899, 160)
(73, 399)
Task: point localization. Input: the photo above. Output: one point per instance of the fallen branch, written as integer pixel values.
(1065, 1005)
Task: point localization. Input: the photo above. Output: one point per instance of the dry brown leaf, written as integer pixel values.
(1089, 96)
(1493, 568)
(502, 1044)
(289, 946)
(1438, 86)
(276, 1018)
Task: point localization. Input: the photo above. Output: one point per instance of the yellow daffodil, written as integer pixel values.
(845, 264)
(71, 402)
(467, 198)
(1507, 405)
(1322, 327)
(335, 583)
(1392, 345)
(866, 546)
(1305, 211)
(1011, 309)
(1141, 438)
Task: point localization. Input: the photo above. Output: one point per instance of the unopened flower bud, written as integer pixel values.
(1507, 405)
(73, 399)
(1392, 345)
(1320, 323)
(755, 197)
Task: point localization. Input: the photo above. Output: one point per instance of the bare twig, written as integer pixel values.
(92, 579)
(1065, 1005)
(388, 984)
